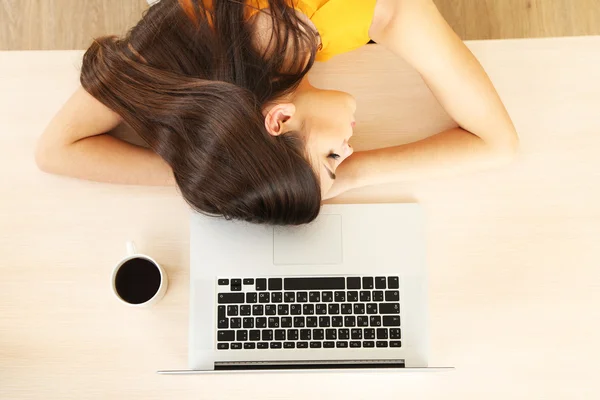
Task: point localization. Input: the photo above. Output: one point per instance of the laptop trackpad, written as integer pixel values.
(317, 243)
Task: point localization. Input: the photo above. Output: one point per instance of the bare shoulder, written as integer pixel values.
(384, 12)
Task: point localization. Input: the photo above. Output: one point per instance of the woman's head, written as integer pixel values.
(190, 82)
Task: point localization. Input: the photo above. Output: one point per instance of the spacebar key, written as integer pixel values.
(314, 283)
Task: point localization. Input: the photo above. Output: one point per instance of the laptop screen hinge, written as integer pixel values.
(308, 364)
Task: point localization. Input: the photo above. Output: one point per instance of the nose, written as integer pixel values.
(348, 150)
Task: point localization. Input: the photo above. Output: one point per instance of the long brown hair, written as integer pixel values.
(188, 79)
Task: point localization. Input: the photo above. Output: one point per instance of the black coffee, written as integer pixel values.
(137, 280)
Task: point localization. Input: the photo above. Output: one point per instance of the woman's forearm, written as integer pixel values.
(104, 158)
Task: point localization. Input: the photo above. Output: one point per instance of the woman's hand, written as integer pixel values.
(415, 30)
(75, 144)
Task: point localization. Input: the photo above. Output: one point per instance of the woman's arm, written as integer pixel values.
(415, 30)
(75, 144)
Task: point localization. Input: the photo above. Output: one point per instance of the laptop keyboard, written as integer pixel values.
(308, 313)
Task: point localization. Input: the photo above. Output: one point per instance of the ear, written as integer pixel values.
(276, 118)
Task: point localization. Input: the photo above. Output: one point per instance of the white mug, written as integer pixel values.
(133, 292)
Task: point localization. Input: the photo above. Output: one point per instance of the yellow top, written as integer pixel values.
(342, 24)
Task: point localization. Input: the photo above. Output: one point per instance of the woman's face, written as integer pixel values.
(327, 118)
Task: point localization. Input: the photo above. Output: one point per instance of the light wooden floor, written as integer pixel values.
(71, 24)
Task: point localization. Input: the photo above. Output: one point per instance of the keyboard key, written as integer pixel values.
(280, 334)
(298, 322)
(352, 296)
(393, 282)
(295, 309)
(365, 296)
(389, 308)
(308, 309)
(245, 309)
(286, 322)
(367, 282)
(333, 309)
(377, 295)
(267, 334)
(382, 333)
(344, 334)
(261, 322)
(368, 344)
(241, 335)
(251, 297)
(354, 344)
(318, 334)
(225, 336)
(328, 345)
(346, 308)
(254, 335)
(311, 322)
(270, 309)
(235, 323)
(258, 309)
(223, 323)
(362, 320)
(356, 333)
(324, 322)
(221, 312)
(273, 322)
(392, 295)
(349, 321)
(391, 320)
(314, 297)
(261, 284)
(248, 281)
(321, 309)
(263, 297)
(322, 283)
(375, 320)
(337, 321)
(341, 345)
(275, 345)
(292, 334)
(276, 297)
(283, 309)
(236, 282)
(380, 282)
(232, 311)
(248, 322)
(381, 344)
(353, 283)
(289, 297)
(339, 297)
(236, 346)
(275, 284)
(395, 333)
(302, 345)
(249, 346)
(369, 333)
(222, 346)
(262, 345)
(372, 308)
(302, 297)
(222, 282)
(289, 345)
(327, 297)
(230, 298)
(395, 343)
(236, 288)
(315, 345)
(330, 334)
(305, 334)
(359, 308)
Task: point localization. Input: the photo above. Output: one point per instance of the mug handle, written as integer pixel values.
(131, 249)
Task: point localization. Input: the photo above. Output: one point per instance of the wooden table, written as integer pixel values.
(513, 254)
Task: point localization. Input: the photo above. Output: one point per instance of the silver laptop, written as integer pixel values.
(346, 291)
